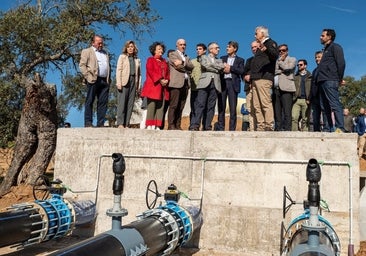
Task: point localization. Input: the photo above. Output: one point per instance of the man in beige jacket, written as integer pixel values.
(180, 67)
(95, 68)
(284, 89)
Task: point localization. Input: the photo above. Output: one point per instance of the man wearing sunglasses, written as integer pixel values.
(302, 97)
(284, 89)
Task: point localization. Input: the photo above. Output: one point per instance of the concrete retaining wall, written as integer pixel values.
(241, 175)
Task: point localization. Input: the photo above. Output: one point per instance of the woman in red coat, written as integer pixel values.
(156, 86)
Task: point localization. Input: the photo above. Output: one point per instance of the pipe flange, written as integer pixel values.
(170, 222)
(296, 227)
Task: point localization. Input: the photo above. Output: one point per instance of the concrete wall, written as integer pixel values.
(243, 174)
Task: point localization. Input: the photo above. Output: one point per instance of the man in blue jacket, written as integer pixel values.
(360, 129)
(330, 77)
(230, 85)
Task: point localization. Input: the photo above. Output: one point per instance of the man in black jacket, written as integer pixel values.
(301, 103)
(262, 74)
(330, 77)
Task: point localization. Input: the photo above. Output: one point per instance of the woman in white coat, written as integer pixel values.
(128, 76)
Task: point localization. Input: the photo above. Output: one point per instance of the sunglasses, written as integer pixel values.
(300, 65)
(283, 50)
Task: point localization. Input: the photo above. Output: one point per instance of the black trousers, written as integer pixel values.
(282, 102)
(99, 90)
(229, 93)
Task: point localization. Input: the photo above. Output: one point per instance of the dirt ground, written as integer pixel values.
(23, 193)
(362, 251)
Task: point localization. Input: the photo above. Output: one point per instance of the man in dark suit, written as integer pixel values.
(230, 85)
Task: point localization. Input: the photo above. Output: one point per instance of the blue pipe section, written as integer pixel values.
(42, 220)
(183, 220)
(59, 215)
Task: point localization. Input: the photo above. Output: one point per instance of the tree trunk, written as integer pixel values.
(36, 138)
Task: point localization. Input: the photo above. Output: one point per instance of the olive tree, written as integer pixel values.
(43, 36)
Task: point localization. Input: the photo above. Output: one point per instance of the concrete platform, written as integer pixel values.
(238, 175)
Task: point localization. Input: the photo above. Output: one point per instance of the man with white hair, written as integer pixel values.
(262, 75)
(180, 67)
(207, 89)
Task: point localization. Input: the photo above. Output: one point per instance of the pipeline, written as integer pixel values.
(310, 233)
(22, 225)
(157, 231)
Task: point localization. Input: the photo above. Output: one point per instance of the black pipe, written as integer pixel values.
(17, 226)
(154, 233)
(103, 244)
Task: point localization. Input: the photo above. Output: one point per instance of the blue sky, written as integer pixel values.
(296, 23)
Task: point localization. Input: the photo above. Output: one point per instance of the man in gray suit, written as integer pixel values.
(208, 86)
(284, 89)
(179, 66)
(95, 68)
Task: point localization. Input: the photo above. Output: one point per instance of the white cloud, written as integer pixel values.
(340, 9)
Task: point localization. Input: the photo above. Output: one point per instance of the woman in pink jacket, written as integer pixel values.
(156, 86)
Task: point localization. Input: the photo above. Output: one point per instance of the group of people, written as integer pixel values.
(283, 98)
(277, 96)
